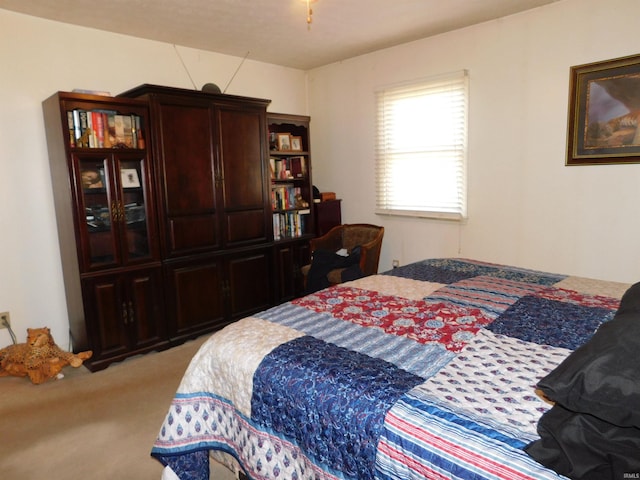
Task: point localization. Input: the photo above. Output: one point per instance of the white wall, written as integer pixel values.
(525, 206)
(38, 58)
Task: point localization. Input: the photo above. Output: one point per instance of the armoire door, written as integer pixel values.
(244, 182)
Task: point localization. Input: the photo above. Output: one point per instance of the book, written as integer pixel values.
(134, 132)
(102, 93)
(298, 167)
(127, 131)
(272, 168)
(83, 139)
(98, 123)
(276, 227)
(140, 143)
(111, 129)
(119, 131)
(72, 128)
(77, 132)
(106, 140)
(92, 122)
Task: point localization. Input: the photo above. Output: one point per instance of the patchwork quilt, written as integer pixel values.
(425, 371)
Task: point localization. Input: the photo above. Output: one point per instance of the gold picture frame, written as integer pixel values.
(284, 141)
(604, 112)
(296, 144)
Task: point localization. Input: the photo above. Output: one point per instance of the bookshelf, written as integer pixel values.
(105, 210)
(290, 174)
(291, 199)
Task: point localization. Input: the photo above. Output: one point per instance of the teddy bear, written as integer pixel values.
(39, 358)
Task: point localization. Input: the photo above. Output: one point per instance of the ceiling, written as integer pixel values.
(276, 31)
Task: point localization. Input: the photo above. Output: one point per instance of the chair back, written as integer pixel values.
(369, 238)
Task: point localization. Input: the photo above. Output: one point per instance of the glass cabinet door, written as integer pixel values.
(133, 209)
(100, 243)
(114, 193)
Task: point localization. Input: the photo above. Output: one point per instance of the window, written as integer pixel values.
(422, 148)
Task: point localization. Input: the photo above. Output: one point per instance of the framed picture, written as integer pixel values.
(284, 141)
(604, 112)
(129, 177)
(296, 144)
(92, 178)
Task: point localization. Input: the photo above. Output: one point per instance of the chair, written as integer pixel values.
(348, 236)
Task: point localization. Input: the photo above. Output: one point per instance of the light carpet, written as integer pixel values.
(91, 426)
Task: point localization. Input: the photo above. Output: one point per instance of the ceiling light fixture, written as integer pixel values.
(309, 12)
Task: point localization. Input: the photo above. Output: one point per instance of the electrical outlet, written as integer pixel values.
(395, 263)
(5, 320)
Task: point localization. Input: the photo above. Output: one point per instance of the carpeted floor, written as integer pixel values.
(91, 426)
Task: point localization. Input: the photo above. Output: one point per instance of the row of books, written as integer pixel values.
(289, 224)
(104, 129)
(286, 197)
(288, 168)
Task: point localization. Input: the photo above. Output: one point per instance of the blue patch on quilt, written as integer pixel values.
(550, 322)
(192, 465)
(329, 400)
(431, 273)
(447, 271)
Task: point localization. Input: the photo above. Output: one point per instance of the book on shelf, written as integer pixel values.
(298, 167)
(119, 128)
(83, 139)
(128, 131)
(92, 129)
(136, 125)
(272, 168)
(277, 235)
(98, 122)
(111, 130)
(72, 128)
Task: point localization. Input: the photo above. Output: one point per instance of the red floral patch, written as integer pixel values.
(450, 325)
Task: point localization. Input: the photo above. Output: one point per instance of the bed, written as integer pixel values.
(425, 371)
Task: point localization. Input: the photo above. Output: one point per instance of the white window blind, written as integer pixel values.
(422, 148)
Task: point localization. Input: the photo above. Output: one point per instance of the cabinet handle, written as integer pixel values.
(218, 175)
(117, 211)
(219, 178)
(132, 317)
(125, 313)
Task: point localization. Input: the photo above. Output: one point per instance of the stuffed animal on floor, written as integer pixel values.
(40, 358)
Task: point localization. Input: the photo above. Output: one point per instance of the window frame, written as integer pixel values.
(452, 87)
